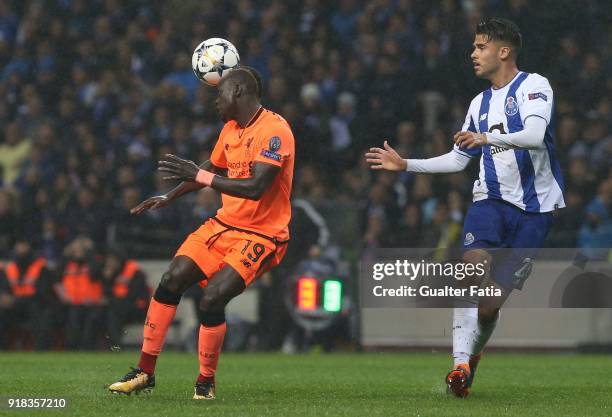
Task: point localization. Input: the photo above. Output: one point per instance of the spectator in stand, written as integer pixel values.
(568, 221)
(207, 202)
(25, 296)
(9, 221)
(87, 216)
(94, 93)
(596, 233)
(126, 292)
(345, 128)
(80, 292)
(14, 153)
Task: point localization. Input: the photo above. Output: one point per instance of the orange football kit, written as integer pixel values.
(249, 235)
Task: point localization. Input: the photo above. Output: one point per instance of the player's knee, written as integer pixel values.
(165, 295)
(171, 281)
(211, 301)
(214, 299)
(169, 290)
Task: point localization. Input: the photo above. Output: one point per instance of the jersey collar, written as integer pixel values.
(508, 83)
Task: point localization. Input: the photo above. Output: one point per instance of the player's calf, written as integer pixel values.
(210, 342)
(181, 274)
(474, 361)
(487, 315)
(226, 285)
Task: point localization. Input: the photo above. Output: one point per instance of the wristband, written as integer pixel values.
(204, 177)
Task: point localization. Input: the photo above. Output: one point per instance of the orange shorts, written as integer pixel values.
(213, 245)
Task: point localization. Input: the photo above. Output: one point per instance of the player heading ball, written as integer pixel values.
(246, 237)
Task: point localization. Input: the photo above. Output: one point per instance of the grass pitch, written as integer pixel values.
(314, 385)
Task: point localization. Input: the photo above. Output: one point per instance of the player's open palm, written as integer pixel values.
(151, 203)
(386, 158)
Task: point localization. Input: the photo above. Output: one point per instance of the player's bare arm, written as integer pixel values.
(185, 187)
(251, 188)
(386, 158)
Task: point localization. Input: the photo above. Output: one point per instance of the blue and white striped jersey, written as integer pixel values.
(529, 179)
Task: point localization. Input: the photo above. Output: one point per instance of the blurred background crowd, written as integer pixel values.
(94, 91)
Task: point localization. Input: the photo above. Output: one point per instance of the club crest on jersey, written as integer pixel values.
(469, 239)
(248, 149)
(511, 107)
(274, 144)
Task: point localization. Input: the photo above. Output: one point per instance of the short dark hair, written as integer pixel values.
(501, 30)
(250, 78)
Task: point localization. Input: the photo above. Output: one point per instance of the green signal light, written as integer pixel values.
(332, 296)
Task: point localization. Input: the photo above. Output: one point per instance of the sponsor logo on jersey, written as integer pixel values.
(534, 96)
(511, 107)
(239, 169)
(497, 149)
(483, 116)
(469, 239)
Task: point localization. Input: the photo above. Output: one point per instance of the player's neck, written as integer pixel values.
(502, 77)
(248, 112)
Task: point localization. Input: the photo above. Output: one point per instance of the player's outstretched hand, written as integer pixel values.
(470, 140)
(386, 158)
(178, 168)
(151, 203)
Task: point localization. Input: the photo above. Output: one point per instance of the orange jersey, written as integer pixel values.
(268, 139)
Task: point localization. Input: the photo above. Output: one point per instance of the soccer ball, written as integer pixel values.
(212, 59)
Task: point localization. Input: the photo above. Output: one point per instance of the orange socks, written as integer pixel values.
(159, 318)
(209, 348)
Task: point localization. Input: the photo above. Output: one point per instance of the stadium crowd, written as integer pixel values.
(94, 92)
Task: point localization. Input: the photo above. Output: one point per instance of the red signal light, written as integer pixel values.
(307, 293)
